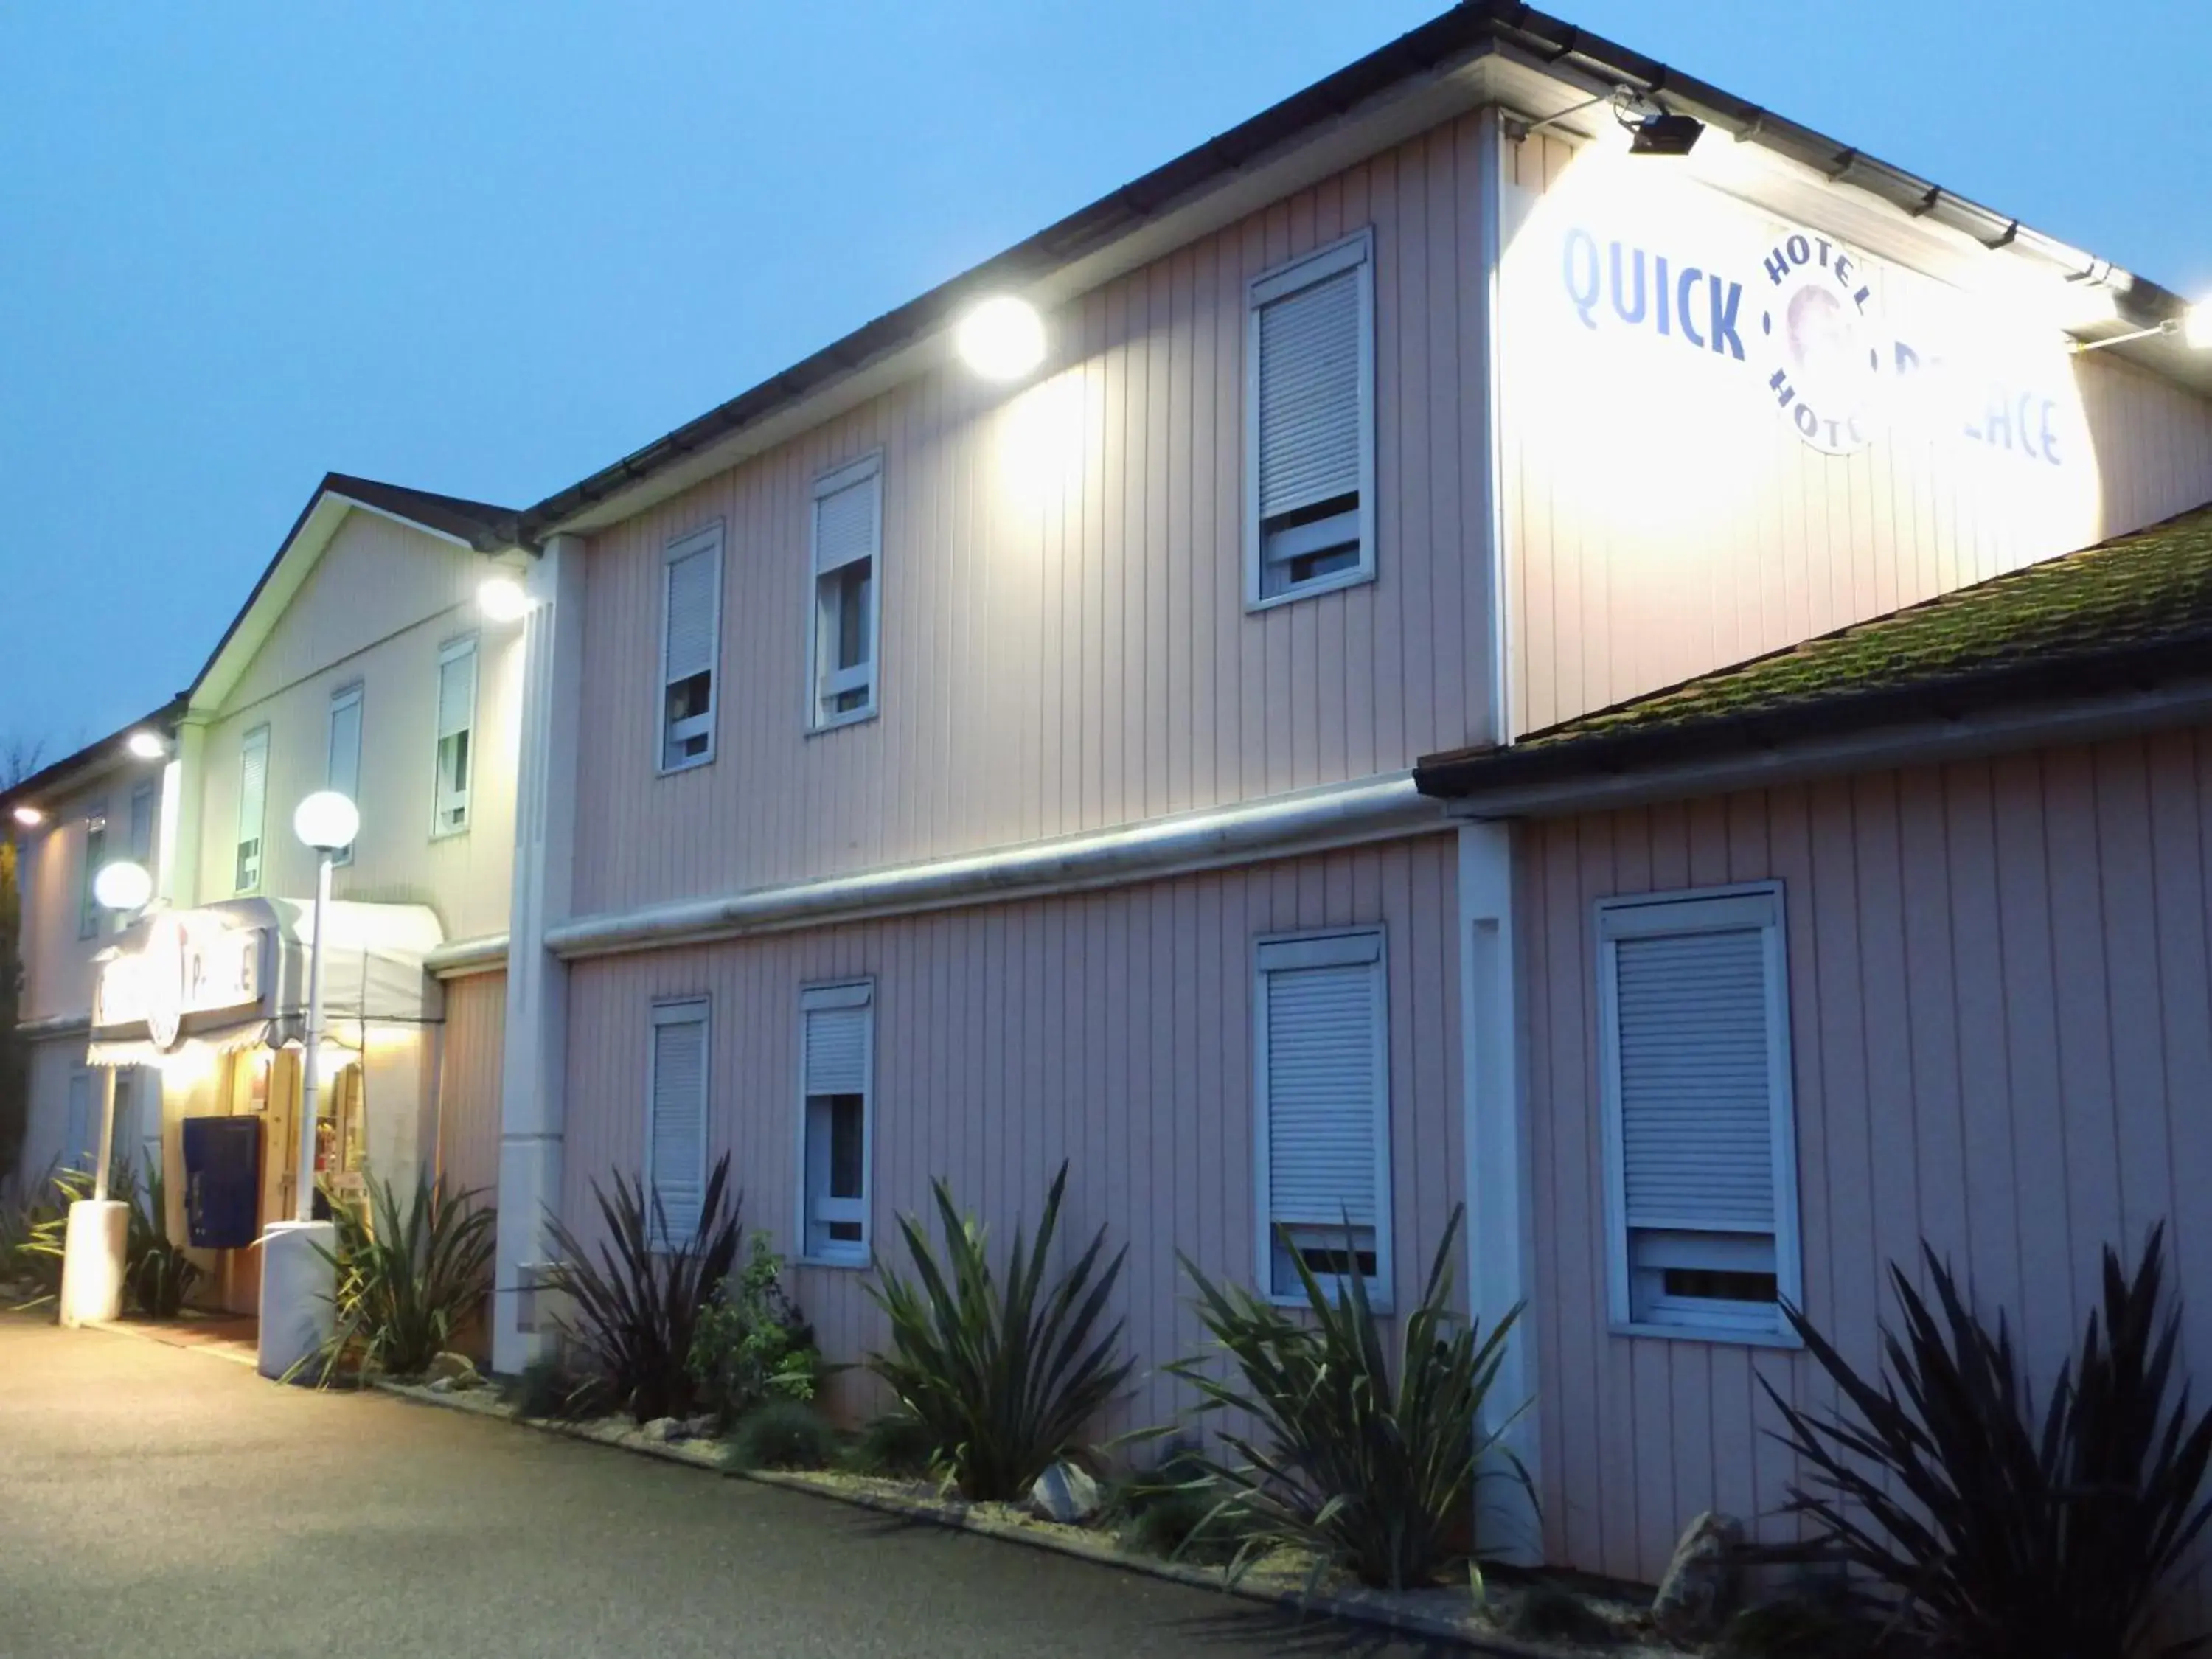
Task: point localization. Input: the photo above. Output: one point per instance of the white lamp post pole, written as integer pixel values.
(298, 1256)
(310, 1060)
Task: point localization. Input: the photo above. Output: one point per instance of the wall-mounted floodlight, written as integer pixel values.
(1002, 339)
(2193, 326)
(146, 745)
(500, 598)
(29, 816)
(123, 885)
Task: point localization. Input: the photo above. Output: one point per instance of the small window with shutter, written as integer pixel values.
(676, 1130)
(690, 649)
(1310, 424)
(837, 1121)
(1323, 1076)
(252, 801)
(144, 798)
(456, 752)
(95, 855)
(343, 772)
(847, 542)
(1701, 1162)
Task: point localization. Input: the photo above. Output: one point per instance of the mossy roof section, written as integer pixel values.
(2138, 597)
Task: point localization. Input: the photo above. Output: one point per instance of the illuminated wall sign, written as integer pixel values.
(191, 964)
(1815, 338)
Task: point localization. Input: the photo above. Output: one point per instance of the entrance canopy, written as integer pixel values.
(235, 975)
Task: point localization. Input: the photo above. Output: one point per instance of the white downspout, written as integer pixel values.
(1492, 1079)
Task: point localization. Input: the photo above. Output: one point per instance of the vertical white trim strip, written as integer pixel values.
(1498, 559)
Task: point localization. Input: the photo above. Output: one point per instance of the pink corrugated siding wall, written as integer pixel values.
(469, 1081)
(2001, 1022)
(1113, 1029)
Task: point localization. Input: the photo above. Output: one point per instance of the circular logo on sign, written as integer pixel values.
(162, 982)
(1821, 344)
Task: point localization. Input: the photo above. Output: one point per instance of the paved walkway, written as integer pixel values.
(156, 1502)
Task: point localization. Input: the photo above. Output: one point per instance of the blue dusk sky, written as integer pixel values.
(487, 248)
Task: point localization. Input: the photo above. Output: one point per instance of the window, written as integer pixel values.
(1324, 1110)
(1310, 425)
(675, 1136)
(343, 772)
(143, 798)
(848, 534)
(252, 796)
(96, 854)
(457, 719)
(690, 640)
(836, 1044)
(77, 1148)
(1701, 1160)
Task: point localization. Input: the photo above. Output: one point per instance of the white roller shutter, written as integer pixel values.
(848, 520)
(252, 800)
(837, 1051)
(693, 581)
(1309, 395)
(1696, 1112)
(677, 1136)
(457, 689)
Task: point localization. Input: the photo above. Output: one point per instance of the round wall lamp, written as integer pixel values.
(1002, 339)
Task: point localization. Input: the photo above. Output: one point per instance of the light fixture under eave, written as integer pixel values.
(502, 599)
(2197, 326)
(1664, 135)
(29, 817)
(1002, 339)
(123, 885)
(146, 745)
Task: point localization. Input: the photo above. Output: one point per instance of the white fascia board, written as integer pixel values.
(1921, 743)
(1387, 807)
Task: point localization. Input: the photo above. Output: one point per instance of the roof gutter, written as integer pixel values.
(1904, 743)
(1467, 31)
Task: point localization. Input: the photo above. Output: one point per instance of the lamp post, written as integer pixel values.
(327, 823)
(298, 1257)
(95, 1235)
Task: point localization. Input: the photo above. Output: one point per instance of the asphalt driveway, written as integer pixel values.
(157, 1502)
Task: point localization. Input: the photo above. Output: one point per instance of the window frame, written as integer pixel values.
(467, 645)
(839, 994)
(854, 472)
(706, 539)
(347, 695)
(253, 738)
(1673, 913)
(677, 1011)
(1354, 252)
(1322, 947)
(88, 901)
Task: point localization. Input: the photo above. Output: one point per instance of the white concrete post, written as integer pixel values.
(298, 1274)
(1500, 1246)
(533, 1078)
(311, 1057)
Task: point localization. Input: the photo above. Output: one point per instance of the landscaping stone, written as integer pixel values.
(664, 1430)
(456, 1368)
(1702, 1583)
(1064, 1493)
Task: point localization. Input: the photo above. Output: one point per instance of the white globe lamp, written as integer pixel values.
(123, 885)
(326, 820)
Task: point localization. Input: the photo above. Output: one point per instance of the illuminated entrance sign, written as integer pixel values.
(190, 964)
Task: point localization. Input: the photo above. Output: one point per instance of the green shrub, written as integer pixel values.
(1005, 1378)
(31, 1234)
(635, 1306)
(2004, 1533)
(1550, 1612)
(1181, 1523)
(403, 1280)
(751, 1343)
(897, 1445)
(782, 1434)
(157, 1274)
(546, 1388)
(1368, 1460)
